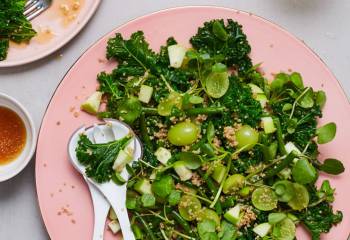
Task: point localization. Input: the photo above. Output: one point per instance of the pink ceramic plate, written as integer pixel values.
(63, 195)
(55, 27)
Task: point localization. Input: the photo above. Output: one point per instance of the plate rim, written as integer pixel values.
(165, 10)
(89, 15)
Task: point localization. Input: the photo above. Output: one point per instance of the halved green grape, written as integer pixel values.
(264, 199)
(184, 133)
(217, 84)
(189, 207)
(164, 108)
(247, 137)
(233, 183)
(208, 214)
(166, 105)
(284, 190)
(284, 230)
(301, 197)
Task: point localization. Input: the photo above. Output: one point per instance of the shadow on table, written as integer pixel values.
(303, 6)
(17, 188)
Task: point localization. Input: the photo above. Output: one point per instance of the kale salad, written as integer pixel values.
(13, 25)
(227, 153)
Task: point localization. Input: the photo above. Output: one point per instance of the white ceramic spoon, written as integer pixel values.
(116, 195)
(100, 203)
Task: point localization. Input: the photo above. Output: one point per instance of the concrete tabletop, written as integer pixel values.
(322, 24)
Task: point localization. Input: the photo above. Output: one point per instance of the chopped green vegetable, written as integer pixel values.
(14, 26)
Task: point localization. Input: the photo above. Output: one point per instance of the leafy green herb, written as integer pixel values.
(4, 45)
(98, 159)
(326, 133)
(206, 230)
(13, 25)
(326, 192)
(321, 98)
(319, 219)
(174, 197)
(227, 232)
(332, 166)
(163, 187)
(238, 99)
(228, 40)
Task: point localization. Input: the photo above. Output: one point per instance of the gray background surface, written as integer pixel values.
(322, 24)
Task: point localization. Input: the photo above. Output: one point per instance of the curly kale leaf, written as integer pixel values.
(13, 25)
(320, 219)
(98, 159)
(239, 100)
(4, 45)
(134, 52)
(228, 40)
(137, 60)
(247, 160)
(306, 119)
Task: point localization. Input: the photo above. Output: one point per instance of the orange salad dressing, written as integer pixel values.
(12, 135)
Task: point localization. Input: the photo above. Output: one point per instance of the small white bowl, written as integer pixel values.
(12, 168)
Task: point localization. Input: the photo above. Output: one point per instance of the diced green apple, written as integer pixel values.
(163, 155)
(122, 159)
(268, 125)
(176, 55)
(181, 170)
(145, 93)
(143, 186)
(262, 229)
(219, 173)
(289, 146)
(114, 226)
(92, 104)
(255, 89)
(233, 215)
(262, 99)
(112, 215)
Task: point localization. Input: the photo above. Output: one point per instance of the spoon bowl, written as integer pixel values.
(115, 194)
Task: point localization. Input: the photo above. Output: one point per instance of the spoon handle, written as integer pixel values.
(118, 204)
(101, 207)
